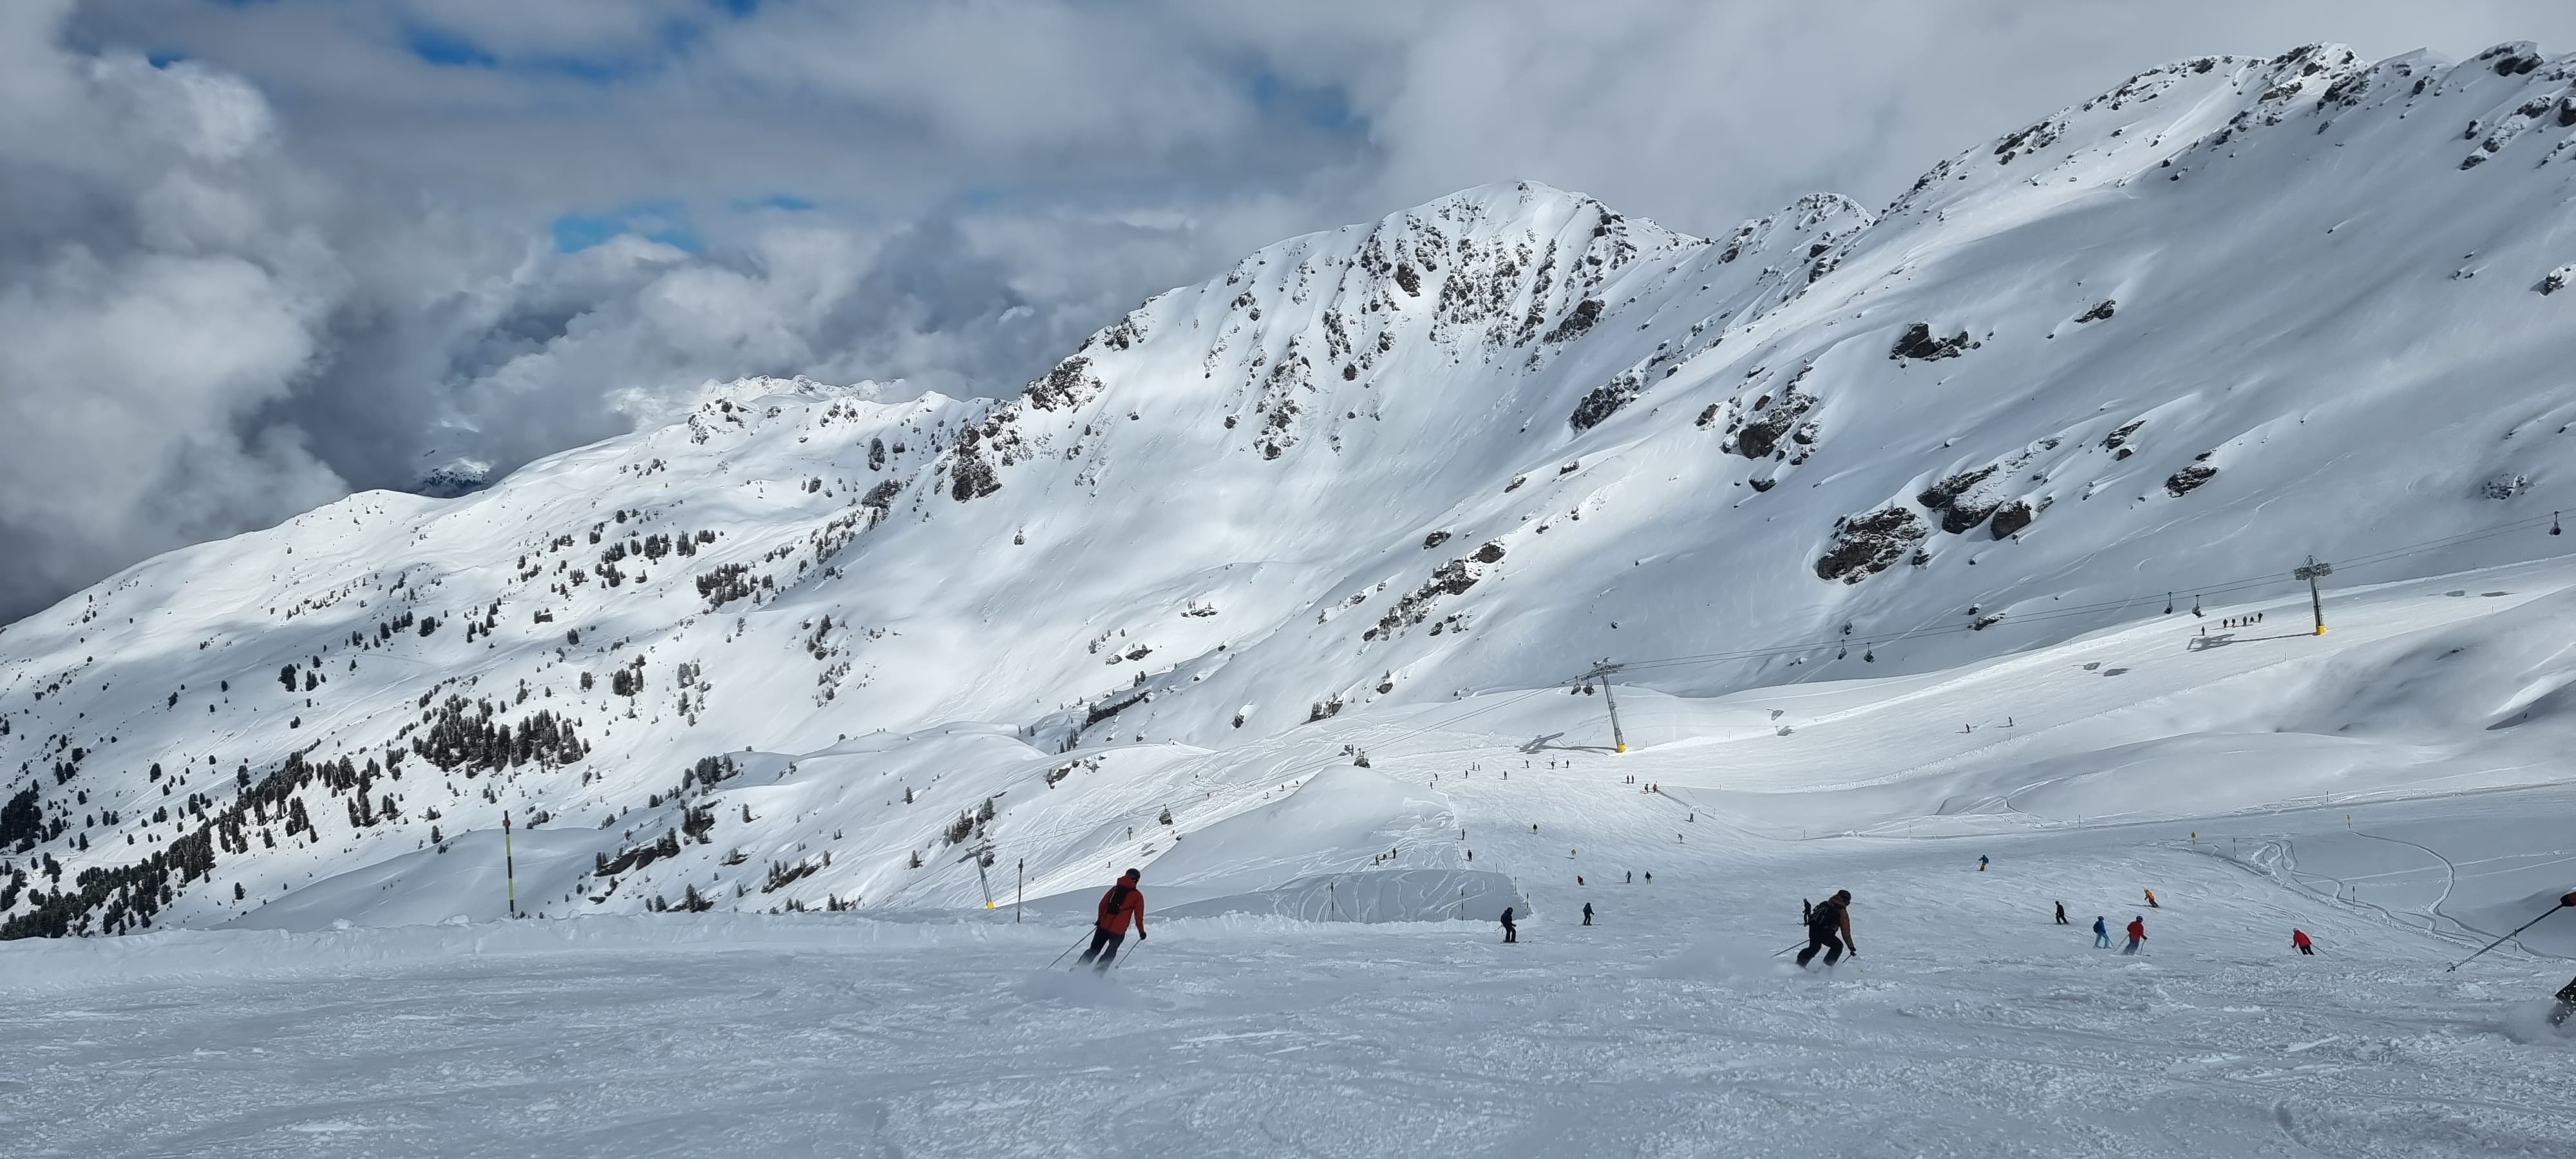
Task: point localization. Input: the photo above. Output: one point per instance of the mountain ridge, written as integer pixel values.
(2151, 339)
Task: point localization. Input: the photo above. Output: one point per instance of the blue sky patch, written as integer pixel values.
(1324, 108)
(787, 202)
(663, 221)
(447, 49)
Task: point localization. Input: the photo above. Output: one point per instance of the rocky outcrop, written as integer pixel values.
(1865, 545)
(1776, 419)
(1918, 342)
(1069, 385)
(1449, 579)
(1958, 500)
(2012, 517)
(2189, 479)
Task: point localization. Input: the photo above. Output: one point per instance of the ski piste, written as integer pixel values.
(1911, 535)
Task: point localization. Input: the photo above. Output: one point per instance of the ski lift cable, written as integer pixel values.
(1038, 837)
(2224, 588)
(1869, 643)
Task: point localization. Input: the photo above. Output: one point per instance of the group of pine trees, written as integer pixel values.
(463, 736)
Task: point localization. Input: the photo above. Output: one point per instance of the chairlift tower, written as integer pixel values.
(981, 855)
(2312, 571)
(1601, 672)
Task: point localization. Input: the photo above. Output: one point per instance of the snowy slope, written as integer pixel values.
(1968, 1025)
(2230, 314)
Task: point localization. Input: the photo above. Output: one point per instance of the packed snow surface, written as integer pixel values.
(1963, 528)
(1970, 1024)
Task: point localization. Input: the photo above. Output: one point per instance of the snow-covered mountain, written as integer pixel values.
(809, 647)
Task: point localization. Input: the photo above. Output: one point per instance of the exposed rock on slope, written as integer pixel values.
(1242, 492)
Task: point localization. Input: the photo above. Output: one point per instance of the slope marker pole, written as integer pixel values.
(509, 864)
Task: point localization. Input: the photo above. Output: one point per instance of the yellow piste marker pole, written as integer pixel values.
(509, 864)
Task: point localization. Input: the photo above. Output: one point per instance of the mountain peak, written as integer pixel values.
(2161, 340)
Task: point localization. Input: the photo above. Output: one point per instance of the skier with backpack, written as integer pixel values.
(2101, 933)
(1123, 903)
(1511, 933)
(1587, 913)
(1829, 929)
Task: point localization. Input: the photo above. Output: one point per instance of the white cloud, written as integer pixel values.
(306, 259)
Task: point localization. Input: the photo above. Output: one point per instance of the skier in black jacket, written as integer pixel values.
(1829, 929)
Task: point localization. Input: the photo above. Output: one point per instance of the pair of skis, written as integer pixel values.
(1112, 964)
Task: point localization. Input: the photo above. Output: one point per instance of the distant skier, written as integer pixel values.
(1587, 913)
(1122, 904)
(2061, 913)
(2151, 900)
(1981, 863)
(1650, 877)
(1829, 929)
(2137, 934)
(1578, 879)
(2101, 934)
(1511, 933)
(1632, 878)
(2299, 938)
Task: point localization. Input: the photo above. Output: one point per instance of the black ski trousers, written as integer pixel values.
(1104, 946)
(1829, 941)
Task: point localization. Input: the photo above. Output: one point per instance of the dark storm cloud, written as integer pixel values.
(253, 255)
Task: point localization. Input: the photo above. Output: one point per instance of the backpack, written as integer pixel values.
(1116, 900)
(1827, 917)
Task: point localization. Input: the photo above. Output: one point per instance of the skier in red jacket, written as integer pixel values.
(1122, 904)
(2299, 938)
(2137, 934)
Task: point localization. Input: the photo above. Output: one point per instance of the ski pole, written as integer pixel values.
(1077, 941)
(2563, 902)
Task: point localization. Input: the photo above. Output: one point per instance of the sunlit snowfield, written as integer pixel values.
(1970, 1025)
